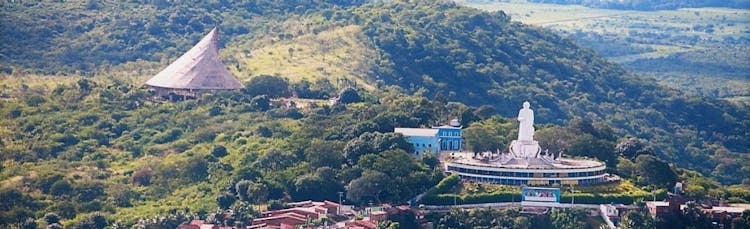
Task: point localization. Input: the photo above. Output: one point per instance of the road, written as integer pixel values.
(446, 208)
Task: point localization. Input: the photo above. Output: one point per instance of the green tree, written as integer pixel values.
(481, 139)
(60, 187)
(225, 200)
(29, 223)
(637, 220)
(142, 177)
(260, 103)
(272, 86)
(567, 218)
(483, 218)
(94, 221)
(349, 95)
(693, 217)
(371, 186)
(241, 188)
(172, 220)
(431, 160)
(590, 146)
(743, 221)
(654, 171)
(325, 153)
(485, 111)
(219, 151)
(51, 218)
(556, 139)
(276, 159)
(258, 193)
(376, 142)
(195, 169)
(632, 147)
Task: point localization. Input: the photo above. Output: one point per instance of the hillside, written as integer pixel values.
(78, 145)
(85, 36)
(339, 54)
(652, 4)
(459, 53)
(462, 54)
(483, 58)
(699, 51)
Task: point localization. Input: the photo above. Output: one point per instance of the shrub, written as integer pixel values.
(60, 187)
(51, 218)
(435, 198)
(167, 136)
(349, 95)
(219, 151)
(142, 177)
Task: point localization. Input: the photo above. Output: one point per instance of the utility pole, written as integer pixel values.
(455, 201)
(338, 209)
(572, 195)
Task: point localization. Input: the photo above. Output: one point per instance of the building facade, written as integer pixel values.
(435, 139)
(449, 137)
(509, 174)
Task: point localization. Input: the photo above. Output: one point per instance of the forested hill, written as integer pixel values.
(452, 52)
(648, 5)
(97, 142)
(83, 36)
(482, 58)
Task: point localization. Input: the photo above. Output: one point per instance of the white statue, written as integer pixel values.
(526, 120)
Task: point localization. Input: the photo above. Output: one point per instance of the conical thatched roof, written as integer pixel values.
(199, 68)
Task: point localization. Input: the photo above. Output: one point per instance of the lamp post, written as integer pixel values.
(338, 209)
(572, 195)
(455, 200)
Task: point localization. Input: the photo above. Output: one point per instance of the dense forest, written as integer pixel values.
(484, 59)
(90, 144)
(652, 4)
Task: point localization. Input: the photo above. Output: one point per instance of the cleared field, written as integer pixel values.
(336, 54)
(697, 50)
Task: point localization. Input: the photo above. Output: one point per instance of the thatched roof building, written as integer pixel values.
(198, 69)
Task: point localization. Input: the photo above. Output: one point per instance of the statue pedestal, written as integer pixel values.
(525, 149)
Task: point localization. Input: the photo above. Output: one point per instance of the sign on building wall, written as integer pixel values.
(540, 194)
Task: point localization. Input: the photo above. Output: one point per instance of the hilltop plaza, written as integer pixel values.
(525, 163)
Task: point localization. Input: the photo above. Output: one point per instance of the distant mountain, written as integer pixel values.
(648, 5)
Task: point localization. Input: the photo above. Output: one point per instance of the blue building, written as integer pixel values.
(435, 139)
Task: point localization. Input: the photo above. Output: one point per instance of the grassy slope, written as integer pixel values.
(118, 163)
(341, 52)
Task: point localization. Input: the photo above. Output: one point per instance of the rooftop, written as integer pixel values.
(199, 68)
(727, 209)
(658, 203)
(417, 132)
(508, 161)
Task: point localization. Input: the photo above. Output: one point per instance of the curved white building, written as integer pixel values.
(524, 163)
(539, 171)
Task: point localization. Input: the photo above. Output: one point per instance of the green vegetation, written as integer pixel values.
(146, 160)
(484, 218)
(700, 51)
(651, 5)
(511, 218)
(80, 138)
